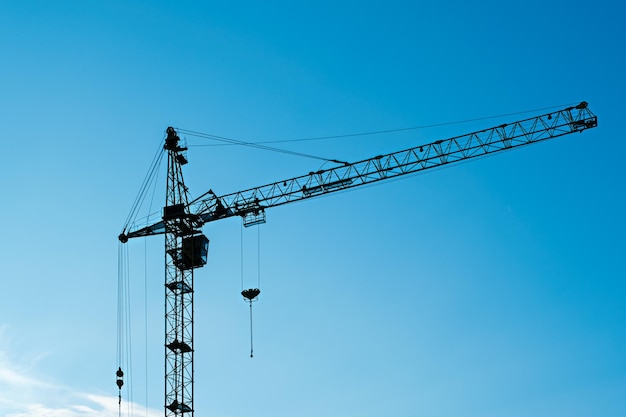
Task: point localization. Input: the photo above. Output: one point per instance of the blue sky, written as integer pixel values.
(492, 288)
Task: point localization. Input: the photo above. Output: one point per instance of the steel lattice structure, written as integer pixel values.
(186, 247)
(179, 266)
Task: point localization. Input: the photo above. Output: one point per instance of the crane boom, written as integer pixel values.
(250, 204)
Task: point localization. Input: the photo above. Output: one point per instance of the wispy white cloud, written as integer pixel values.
(14, 378)
(86, 405)
(26, 393)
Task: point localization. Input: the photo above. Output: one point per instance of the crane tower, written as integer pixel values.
(186, 248)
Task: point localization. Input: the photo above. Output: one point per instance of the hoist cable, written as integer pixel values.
(124, 342)
(370, 133)
(128, 331)
(145, 315)
(119, 381)
(149, 178)
(258, 284)
(145, 280)
(241, 253)
(254, 145)
(250, 295)
(251, 341)
(124, 354)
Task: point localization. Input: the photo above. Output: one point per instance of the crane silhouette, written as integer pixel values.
(186, 247)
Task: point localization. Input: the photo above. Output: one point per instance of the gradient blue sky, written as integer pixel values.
(490, 289)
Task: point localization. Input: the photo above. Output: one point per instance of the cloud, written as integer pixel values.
(13, 378)
(56, 401)
(87, 405)
(26, 393)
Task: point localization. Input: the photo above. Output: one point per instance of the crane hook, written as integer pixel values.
(251, 295)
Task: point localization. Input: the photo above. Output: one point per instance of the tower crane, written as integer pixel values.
(186, 247)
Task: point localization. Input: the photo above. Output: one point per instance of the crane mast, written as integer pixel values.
(186, 247)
